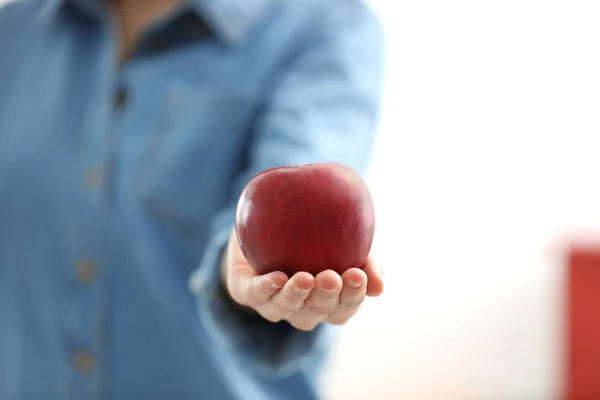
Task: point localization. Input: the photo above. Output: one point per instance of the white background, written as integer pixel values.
(488, 161)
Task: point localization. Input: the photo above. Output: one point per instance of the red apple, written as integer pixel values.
(309, 218)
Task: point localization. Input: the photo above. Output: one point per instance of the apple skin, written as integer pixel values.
(310, 217)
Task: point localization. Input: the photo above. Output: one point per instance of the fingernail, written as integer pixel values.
(272, 284)
(301, 292)
(354, 284)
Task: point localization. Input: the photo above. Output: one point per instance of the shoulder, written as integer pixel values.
(349, 29)
(336, 11)
(317, 7)
(14, 12)
(18, 18)
(308, 23)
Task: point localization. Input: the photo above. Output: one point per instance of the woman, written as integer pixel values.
(127, 131)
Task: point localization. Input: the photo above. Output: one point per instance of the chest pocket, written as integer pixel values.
(193, 154)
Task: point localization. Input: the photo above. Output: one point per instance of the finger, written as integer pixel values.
(258, 290)
(355, 288)
(324, 298)
(351, 297)
(291, 298)
(374, 279)
(322, 301)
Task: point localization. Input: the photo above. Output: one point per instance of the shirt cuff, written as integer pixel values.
(275, 349)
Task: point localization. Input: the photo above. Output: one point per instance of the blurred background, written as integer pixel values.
(486, 168)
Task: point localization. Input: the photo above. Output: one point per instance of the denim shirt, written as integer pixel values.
(118, 186)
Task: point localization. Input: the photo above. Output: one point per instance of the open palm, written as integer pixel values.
(303, 300)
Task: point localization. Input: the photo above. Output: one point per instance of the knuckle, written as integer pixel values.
(303, 326)
(320, 310)
(271, 317)
(339, 320)
(292, 298)
(290, 306)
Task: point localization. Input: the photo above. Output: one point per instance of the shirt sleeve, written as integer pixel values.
(323, 105)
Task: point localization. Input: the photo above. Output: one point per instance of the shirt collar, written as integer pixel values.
(230, 19)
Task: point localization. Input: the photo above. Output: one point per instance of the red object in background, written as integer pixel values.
(583, 324)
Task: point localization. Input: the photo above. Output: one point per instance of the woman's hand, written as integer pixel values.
(302, 300)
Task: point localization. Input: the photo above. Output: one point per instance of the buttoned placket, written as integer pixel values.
(88, 301)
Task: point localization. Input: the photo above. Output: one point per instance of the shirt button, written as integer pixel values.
(121, 97)
(86, 271)
(93, 179)
(84, 362)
